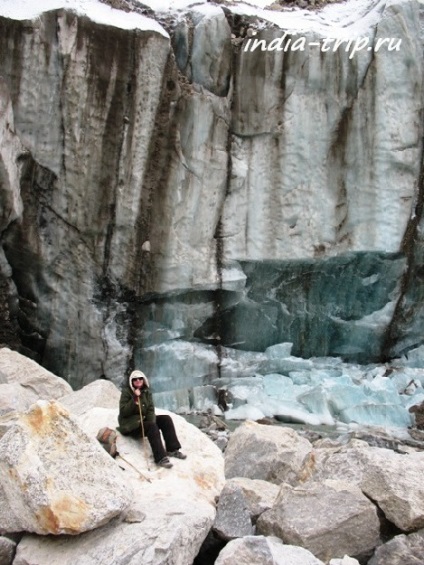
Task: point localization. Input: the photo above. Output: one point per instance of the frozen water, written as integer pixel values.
(321, 392)
(385, 415)
(316, 401)
(177, 401)
(279, 351)
(414, 358)
(282, 387)
(203, 398)
(245, 412)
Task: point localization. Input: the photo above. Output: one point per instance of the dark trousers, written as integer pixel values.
(152, 431)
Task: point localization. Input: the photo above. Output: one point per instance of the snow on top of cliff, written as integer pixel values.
(93, 9)
(352, 17)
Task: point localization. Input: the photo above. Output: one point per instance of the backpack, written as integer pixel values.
(107, 439)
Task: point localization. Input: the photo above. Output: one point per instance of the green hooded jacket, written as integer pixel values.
(129, 415)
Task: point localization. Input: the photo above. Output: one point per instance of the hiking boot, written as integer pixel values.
(164, 462)
(177, 454)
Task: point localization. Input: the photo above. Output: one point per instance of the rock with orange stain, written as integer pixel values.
(56, 479)
(171, 510)
(52, 481)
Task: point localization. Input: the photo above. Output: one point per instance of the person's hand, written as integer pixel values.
(137, 392)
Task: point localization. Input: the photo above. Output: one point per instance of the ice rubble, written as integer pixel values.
(316, 391)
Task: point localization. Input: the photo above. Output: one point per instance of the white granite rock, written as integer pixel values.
(330, 519)
(259, 495)
(17, 368)
(23, 382)
(346, 560)
(170, 513)
(232, 514)
(391, 479)
(98, 394)
(261, 550)
(56, 479)
(7, 550)
(270, 453)
(400, 550)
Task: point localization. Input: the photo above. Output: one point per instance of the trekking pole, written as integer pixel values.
(143, 439)
(135, 468)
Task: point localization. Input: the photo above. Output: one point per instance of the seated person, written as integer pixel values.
(135, 396)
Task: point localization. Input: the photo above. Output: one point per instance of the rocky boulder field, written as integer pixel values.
(275, 495)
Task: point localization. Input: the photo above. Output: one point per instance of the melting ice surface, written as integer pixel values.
(316, 391)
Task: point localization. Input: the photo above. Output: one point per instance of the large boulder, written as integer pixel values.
(260, 550)
(259, 495)
(401, 550)
(169, 531)
(330, 519)
(346, 560)
(170, 512)
(7, 550)
(23, 382)
(100, 393)
(14, 397)
(270, 453)
(56, 479)
(232, 515)
(392, 480)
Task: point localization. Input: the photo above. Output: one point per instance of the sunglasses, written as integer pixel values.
(137, 379)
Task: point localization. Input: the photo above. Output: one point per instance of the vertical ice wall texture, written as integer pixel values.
(85, 99)
(330, 164)
(157, 189)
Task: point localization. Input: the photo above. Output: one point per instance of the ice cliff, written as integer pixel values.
(163, 185)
